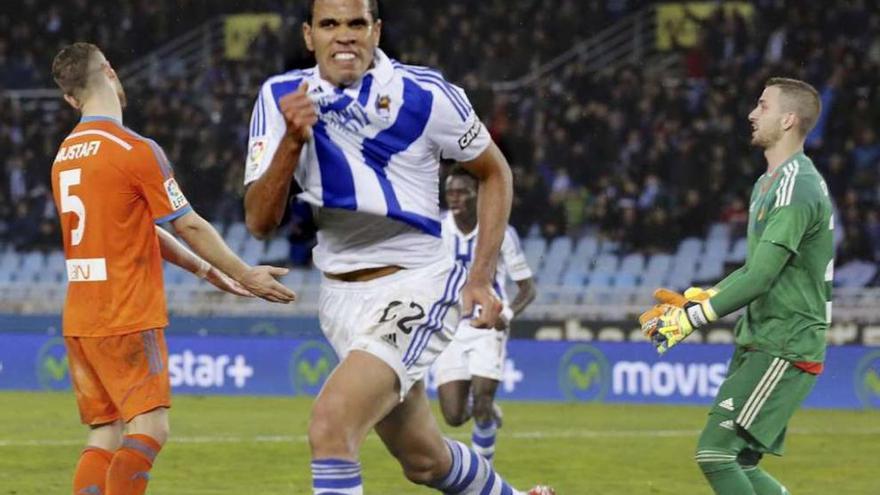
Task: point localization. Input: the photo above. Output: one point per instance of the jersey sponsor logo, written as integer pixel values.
(727, 425)
(79, 150)
(310, 365)
(207, 371)
(86, 270)
(52, 366)
(584, 373)
(175, 195)
(867, 380)
(343, 112)
(465, 140)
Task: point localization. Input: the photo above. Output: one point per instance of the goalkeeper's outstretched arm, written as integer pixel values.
(750, 281)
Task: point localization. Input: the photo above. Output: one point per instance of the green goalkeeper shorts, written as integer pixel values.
(760, 395)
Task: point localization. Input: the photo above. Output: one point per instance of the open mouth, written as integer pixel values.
(344, 56)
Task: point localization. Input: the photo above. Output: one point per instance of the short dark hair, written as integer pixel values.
(459, 171)
(372, 6)
(800, 98)
(72, 66)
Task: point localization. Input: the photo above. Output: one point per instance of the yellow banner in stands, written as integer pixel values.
(240, 30)
(680, 22)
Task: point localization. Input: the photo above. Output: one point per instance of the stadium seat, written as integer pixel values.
(605, 263)
(600, 280)
(236, 235)
(587, 247)
(739, 251)
(717, 247)
(32, 264)
(719, 231)
(710, 270)
(252, 251)
(656, 272)
(626, 280)
(855, 273)
(690, 247)
(555, 261)
(574, 278)
(534, 248)
(278, 249)
(633, 263)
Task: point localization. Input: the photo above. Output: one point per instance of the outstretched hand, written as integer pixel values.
(261, 282)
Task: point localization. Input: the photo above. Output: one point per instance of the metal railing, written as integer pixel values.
(631, 40)
(188, 55)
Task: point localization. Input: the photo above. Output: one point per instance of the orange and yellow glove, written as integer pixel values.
(676, 316)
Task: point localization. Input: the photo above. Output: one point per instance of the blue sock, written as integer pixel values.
(483, 439)
(471, 474)
(336, 477)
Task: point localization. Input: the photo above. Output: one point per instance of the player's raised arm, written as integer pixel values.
(207, 243)
(177, 254)
(493, 209)
(277, 140)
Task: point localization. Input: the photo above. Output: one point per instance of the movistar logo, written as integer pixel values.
(584, 378)
(583, 373)
(310, 365)
(867, 380)
(52, 366)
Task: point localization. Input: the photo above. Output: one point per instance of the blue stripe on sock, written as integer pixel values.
(490, 483)
(471, 474)
(484, 442)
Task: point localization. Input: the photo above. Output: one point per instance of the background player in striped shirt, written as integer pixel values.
(361, 136)
(112, 187)
(473, 363)
(785, 287)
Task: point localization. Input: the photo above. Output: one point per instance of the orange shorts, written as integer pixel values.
(120, 376)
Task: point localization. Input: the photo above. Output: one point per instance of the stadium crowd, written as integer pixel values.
(640, 159)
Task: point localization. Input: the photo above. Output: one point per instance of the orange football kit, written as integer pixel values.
(111, 186)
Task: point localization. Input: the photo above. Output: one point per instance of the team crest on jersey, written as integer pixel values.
(383, 107)
(175, 195)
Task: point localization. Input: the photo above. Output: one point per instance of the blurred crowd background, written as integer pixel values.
(637, 158)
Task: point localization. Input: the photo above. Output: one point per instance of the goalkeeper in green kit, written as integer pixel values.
(785, 287)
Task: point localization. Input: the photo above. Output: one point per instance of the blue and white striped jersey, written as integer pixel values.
(371, 169)
(511, 262)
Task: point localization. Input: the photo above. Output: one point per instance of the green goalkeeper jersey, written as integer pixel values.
(790, 207)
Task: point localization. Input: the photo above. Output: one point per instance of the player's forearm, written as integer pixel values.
(493, 210)
(177, 254)
(207, 243)
(525, 294)
(265, 199)
(730, 278)
(754, 281)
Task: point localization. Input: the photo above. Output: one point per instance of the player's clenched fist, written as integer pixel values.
(299, 113)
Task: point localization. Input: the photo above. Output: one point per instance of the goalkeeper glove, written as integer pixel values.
(666, 296)
(676, 317)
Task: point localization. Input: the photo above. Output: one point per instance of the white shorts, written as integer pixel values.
(473, 352)
(405, 319)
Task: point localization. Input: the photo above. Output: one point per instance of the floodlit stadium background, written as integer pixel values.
(625, 125)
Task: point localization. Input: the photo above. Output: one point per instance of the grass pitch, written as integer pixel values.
(256, 446)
